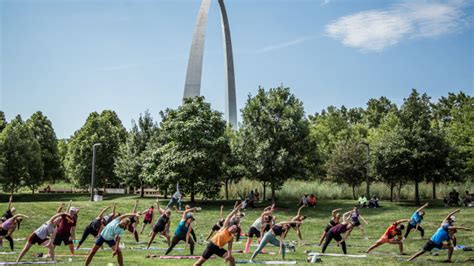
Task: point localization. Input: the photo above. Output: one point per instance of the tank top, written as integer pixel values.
(163, 220)
(149, 215)
(278, 230)
(222, 237)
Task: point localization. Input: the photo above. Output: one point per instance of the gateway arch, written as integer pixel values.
(192, 87)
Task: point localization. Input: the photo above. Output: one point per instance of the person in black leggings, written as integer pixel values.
(183, 232)
(415, 221)
(336, 231)
(162, 225)
(94, 227)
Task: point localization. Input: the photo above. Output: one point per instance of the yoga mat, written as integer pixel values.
(182, 257)
(8, 253)
(338, 255)
(153, 248)
(26, 262)
(290, 262)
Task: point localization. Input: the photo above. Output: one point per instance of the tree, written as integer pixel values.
(62, 153)
(192, 148)
(3, 121)
(274, 133)
(105, 128)
(347, 163)
(21, 157)
(389, 160)
(128, 166)
(454, 115)
(415, 124)
(377, 109)
(232, 169)
(44, 133)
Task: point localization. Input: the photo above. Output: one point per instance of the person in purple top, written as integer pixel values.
(336, 233)
(355, 221)
(442, 238)
(8, 227)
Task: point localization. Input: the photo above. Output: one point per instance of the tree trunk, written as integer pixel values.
(417, 193)
(192, 192)
(434, 190)
(142, 191)
(226, 189)
(165, 193)
(273, 195)
(354, 192)
(399, 191)
(264, 191)
(392, 186)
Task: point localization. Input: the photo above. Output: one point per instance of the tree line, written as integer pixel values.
(419, 141)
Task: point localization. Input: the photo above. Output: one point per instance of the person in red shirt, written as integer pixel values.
(65, 232)
(147, 217)
(394, 230)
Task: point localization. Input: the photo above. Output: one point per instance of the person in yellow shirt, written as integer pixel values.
(224, 236)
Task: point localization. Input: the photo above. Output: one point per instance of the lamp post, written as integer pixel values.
(367, 181)
(93, 169)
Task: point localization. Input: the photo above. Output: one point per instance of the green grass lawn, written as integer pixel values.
(40, 207)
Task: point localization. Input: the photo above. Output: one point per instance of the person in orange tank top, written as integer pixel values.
(389, 236)
(224, 236)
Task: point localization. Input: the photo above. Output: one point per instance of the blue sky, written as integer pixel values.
(68, 58)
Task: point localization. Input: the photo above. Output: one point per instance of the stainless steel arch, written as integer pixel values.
(192, 87)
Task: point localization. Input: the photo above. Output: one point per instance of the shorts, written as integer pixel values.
(34, 239)
(254, 232)
(213, 249)
(355, 224)
(430, 245)
(158, 228)
(131, 228)
(3, 232)
(100, 241)
(62, 239)
(216, 227)
(146, 221)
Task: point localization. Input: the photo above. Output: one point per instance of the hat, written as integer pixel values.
(13, 209)
(73, 209)
(189, 215)
(453, 218)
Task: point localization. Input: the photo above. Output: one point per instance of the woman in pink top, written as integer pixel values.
(8, 227)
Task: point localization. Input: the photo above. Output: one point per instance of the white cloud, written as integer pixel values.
(325, 2)
(376, 29)
(279, 46)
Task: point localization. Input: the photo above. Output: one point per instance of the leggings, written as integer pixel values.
(269, 238)
(3, 234)
(337, 237)
(410, 227)
(193, 235)
(176, 239)
(88, 231)
(174, 201)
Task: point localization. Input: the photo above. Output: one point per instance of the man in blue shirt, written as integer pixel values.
(442, 238)
(415, 221)
(111, 235)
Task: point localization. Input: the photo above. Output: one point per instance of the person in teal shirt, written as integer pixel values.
(415, 221)
(442, 237)
(183, 231)
(111, 235)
